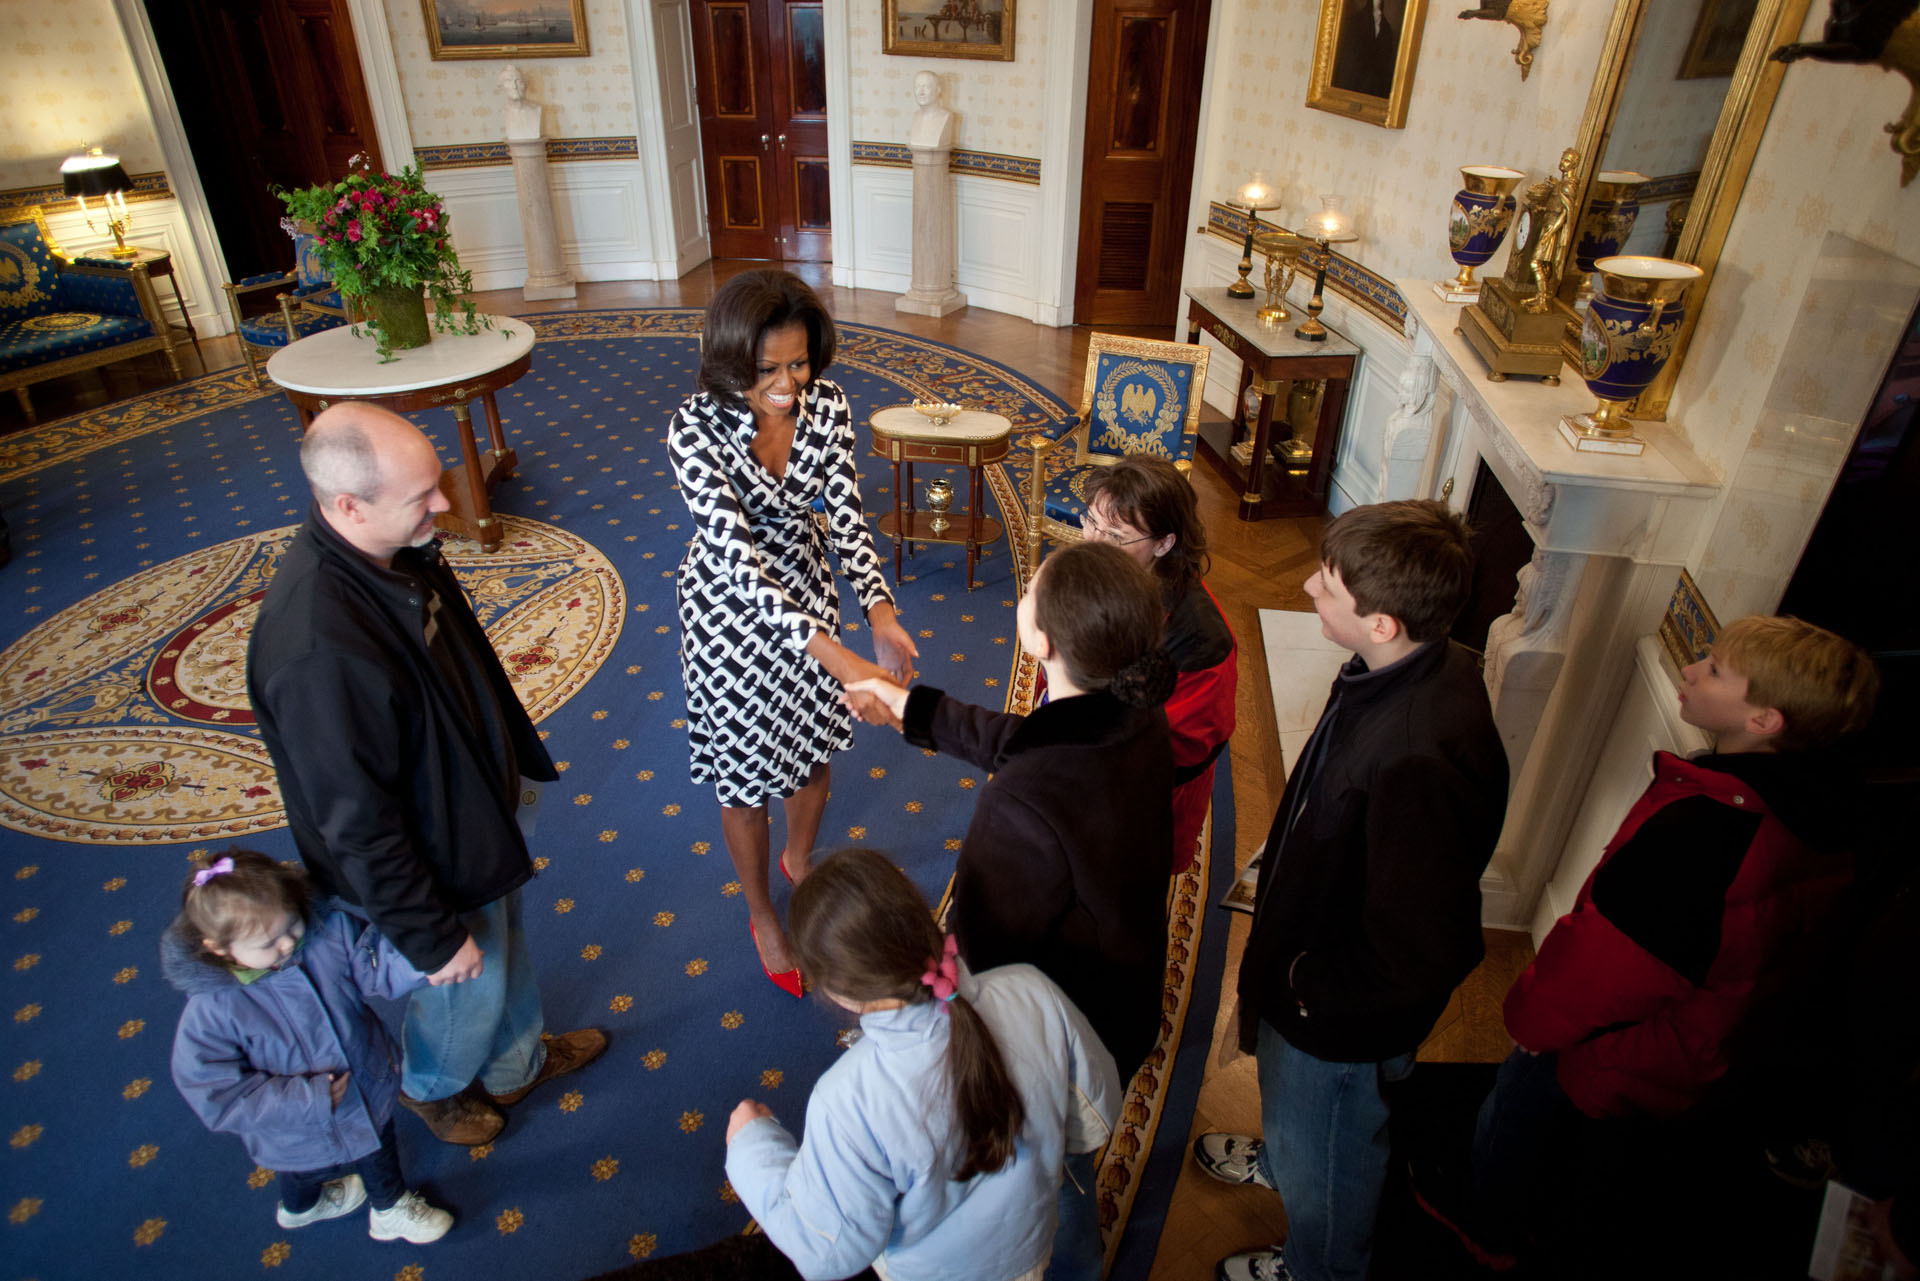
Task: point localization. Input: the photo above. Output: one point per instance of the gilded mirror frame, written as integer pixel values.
(1723, 174)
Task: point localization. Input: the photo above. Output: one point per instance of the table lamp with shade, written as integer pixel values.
(1331, 226)
(1255, 195)
(92, 173)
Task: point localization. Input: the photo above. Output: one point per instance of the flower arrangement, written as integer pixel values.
(382, 237)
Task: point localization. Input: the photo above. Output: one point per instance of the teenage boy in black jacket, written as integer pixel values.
(1367, 913)
(404, 758)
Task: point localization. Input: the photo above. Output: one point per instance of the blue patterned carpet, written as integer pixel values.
(143, 535)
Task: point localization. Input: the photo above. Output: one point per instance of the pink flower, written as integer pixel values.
(353, 230)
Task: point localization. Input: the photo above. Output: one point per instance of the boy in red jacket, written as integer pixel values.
(1709, 894)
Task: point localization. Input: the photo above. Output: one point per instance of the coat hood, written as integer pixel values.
(184, 967)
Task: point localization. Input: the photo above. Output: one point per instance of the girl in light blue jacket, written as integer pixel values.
(278, 1045)
(933, 1149)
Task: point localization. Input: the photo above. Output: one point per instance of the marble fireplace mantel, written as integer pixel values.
(1610, 533)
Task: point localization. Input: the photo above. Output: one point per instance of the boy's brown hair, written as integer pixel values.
(1823, 685)
(1411, 560)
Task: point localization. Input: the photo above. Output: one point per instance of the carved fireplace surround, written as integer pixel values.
(1610, 536)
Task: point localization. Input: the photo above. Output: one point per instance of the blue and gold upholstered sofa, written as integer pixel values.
(59, 317)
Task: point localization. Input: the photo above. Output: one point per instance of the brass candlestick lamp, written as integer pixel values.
(1331, 226)
(1255, 196)
(92, 173)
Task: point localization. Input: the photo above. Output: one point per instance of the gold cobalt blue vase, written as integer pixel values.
(1478, 220)
(1612, 209)
(1626, 339)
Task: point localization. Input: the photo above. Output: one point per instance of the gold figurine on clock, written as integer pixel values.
(1514, 326)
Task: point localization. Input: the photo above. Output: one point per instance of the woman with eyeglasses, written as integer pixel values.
(1144, 506)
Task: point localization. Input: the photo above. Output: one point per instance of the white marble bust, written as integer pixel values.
(932, 125)
(522, 117)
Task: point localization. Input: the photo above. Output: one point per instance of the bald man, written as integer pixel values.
(408, 766)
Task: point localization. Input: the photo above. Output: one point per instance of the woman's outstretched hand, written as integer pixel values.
(893, 649)
(877, 701)
(744, 1112)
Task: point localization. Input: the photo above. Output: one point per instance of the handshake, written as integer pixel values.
(875, 701)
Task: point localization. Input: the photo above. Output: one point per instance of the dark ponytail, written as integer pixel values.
(1103, 614)
(864, 933)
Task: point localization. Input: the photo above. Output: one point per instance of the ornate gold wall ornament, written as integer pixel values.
(1528, 16)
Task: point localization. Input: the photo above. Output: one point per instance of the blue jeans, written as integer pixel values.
(486, 1029)
(1077, 1250)
(379, 1170)
(1325, 1126)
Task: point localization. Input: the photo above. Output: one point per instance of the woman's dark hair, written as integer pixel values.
(1151, 495)
(1103, 614)
(740, 316)
(232, 904)
(864, 933)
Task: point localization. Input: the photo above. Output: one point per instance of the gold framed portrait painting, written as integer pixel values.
(1363, 59)
(463, 29)
(948, 28)
(1719, 34)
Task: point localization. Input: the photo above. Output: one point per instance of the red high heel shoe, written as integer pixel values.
(787, 981)
(782, 861)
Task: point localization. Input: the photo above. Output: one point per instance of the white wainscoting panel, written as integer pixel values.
(600, 207)
(998, 238)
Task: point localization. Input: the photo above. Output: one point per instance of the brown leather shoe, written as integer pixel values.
(466, 1118)
(564, 1054)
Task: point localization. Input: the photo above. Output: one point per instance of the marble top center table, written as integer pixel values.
(972, 439)
(453, 370)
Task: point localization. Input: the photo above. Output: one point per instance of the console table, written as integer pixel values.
(1269, 357)
(453, 371)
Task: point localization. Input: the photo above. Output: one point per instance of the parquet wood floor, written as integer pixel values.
(1255, 566)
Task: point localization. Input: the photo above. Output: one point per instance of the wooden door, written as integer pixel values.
(270, 94)
(761, 75)
(1143, 104)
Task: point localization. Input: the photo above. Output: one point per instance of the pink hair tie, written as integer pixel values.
(943, 976)
(205, 874)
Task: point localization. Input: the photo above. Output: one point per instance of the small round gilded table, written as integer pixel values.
(971, 439)
(453, 370)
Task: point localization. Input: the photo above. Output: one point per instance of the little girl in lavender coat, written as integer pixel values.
(277, 1043)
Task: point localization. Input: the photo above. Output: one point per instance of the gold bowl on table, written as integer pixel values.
(937, 412)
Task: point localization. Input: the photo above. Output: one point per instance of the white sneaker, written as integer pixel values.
(409, 1219)
(337, 1197)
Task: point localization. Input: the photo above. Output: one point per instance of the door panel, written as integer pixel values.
(763, 126)
(1138, 168)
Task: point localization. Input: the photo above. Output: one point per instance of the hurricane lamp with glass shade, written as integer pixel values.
(93, 173)
(1256, 195)
(1331, 226)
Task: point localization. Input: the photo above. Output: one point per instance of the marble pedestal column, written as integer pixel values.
(934, 238)
(547, 274)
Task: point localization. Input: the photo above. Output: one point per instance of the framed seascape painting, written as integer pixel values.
(948, 28)
(1363, 58)
(459, 29)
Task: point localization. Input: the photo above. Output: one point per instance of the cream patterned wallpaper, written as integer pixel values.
(69, 80)
(459, 102)
(999, 103)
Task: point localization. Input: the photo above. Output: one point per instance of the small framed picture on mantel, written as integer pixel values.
(1363, 58)
(948, 28)
(463, 29)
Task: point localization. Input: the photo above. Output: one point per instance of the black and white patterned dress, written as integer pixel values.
(756, 585)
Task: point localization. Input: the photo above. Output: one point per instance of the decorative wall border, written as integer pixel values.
(1668, 186)
(478, 155)
(1367, 289)
(53, 198)
(980, 164)
(1688, 629)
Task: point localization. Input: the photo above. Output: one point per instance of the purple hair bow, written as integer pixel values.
(218, 868)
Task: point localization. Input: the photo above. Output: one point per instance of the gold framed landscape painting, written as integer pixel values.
(462, 29)
(1719, 34)
(948, 28)
(1363, 58)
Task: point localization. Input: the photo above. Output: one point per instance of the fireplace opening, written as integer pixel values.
(1501, 547)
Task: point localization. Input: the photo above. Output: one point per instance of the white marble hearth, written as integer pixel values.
(1610, 535)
